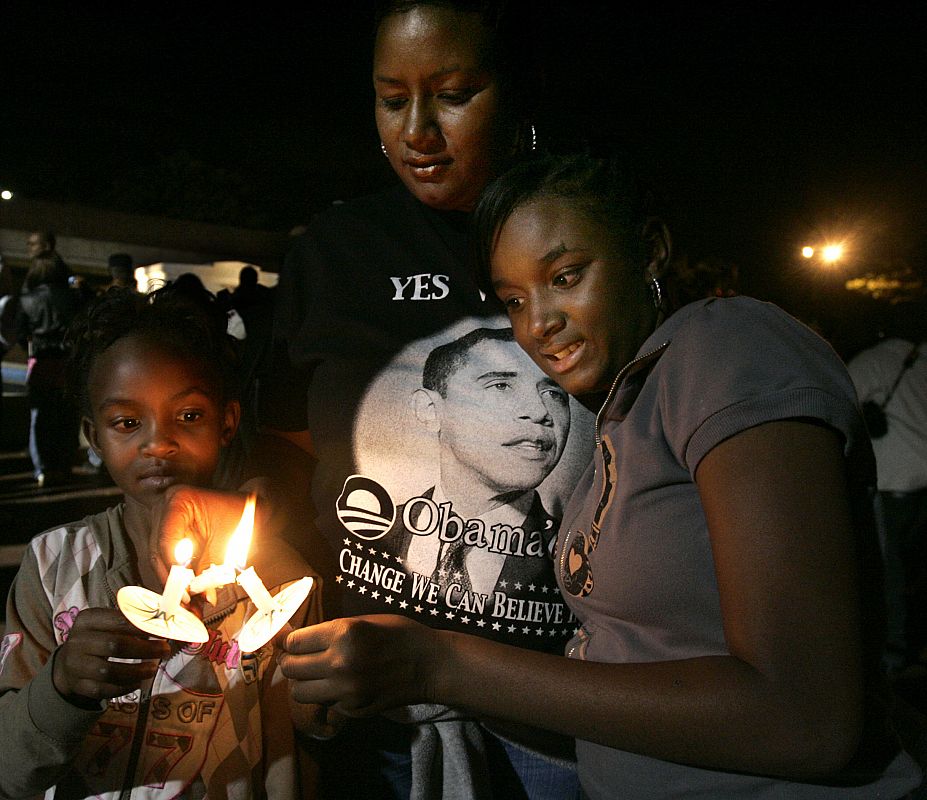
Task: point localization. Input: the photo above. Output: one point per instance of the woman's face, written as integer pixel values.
(439, 108)
(578, 303)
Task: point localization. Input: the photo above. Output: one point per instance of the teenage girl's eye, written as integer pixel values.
(190, 416)
(512, 304)
(566, 277)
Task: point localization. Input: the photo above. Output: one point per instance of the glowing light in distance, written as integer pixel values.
(6, 194)
(832, 253)
(807, 251)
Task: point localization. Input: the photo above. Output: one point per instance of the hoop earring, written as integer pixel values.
(534, 138)
(657, 293)
(383, 149)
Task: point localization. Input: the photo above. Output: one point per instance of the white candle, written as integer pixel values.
(178, 580)
(256, 590)
(217, 575)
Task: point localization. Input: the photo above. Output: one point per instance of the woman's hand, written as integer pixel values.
(361, 665)
(83, 673)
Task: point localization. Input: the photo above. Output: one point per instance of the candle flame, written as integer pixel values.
(236, 554)
(183, 551)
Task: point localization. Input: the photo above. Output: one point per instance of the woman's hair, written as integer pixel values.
(511, 24)
(607, 188)
(186, 326)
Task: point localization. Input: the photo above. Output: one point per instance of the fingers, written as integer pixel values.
(83, 665)
(103, 680)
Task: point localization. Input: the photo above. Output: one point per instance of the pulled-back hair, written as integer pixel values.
(605, 187)
(192, 328)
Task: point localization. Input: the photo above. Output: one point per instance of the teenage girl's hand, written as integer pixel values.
(83, 673)
(360, 666)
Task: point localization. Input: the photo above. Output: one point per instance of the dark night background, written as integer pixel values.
(764, 125)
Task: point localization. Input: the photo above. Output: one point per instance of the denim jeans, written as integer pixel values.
(522, 774)
(371, 759)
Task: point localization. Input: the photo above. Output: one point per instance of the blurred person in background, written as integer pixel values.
(891, 380)
(47, 305)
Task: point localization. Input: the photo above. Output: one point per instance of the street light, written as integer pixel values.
(6, 194)
(807, 251)
(832, 253)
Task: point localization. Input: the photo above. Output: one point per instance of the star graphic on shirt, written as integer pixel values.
(418, 609)
(346, 541)
(359, 545)
(403, 605)
(350, 584)
(388, 600)
(442, 572)
(398, 559)
(456, 575)
(553, 632)
(511, 629)
(363, 590)
(503, 584)
(449, 614)
(496, 626)
(465, 620)
(433, 612)
(531, 587)
(375, 595)
(517, 586)
(545, 589)
(481, 623)
(526, 630)
(385, 554)
(372, 550)
(339, 578)
(540, 631)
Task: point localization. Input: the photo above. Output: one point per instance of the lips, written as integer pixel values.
(428, 169)
(561, 358)
(158, 478)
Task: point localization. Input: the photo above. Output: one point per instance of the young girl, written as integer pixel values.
(716, 551)
(91, 706)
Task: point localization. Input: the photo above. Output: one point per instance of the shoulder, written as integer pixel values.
(83, 541)
(741, 332)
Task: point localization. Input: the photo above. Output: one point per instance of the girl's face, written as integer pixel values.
(156, 421)
(578, 304)
(439, 110)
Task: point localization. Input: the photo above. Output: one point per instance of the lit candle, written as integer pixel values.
(256, 590)
(178, 580)
(236, 554)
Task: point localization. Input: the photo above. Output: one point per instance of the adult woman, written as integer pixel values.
(715, 551)
(376, 302)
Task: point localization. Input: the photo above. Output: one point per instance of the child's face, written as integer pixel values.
(156, 420)
(577, 304)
